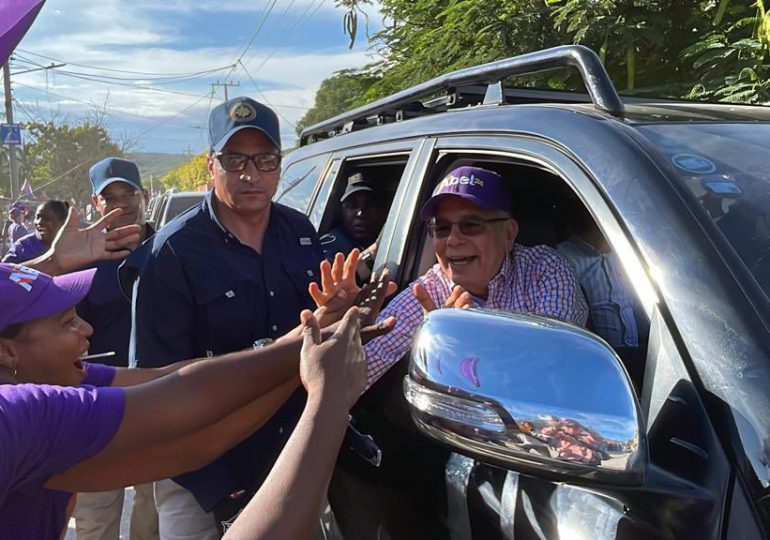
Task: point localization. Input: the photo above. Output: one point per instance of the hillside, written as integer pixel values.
(154, 165)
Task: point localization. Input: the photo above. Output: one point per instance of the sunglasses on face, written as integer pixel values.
(467, 227)
(235, 162)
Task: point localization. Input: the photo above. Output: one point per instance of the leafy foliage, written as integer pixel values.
(733, 59)
(189, 176)
(64, 153)
(337, 94)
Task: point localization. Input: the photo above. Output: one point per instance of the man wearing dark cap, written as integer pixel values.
(365, 207)
(229, 273)
(115, 183)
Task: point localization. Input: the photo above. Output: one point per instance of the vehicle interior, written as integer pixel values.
(385, 171)
(547, 210)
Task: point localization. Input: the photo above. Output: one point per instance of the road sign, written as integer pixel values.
(10, 134)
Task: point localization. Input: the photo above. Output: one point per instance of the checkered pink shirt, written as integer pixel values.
(532, 280)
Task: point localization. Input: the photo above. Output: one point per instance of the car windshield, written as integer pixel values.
(727, 168)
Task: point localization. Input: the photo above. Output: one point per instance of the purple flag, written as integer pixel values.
(16, 17)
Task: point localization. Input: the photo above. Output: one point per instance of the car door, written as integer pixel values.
(684, 493)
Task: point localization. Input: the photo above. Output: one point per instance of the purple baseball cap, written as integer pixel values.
(27, 295)
(482, 187)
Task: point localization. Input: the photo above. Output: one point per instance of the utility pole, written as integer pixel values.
(224, 85)
(13, 166)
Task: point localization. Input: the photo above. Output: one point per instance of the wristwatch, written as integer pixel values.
(261, 343)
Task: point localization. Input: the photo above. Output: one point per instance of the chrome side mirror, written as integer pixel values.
(526, 391)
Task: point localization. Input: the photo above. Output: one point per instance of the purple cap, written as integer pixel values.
(27, 295)
(479, 186)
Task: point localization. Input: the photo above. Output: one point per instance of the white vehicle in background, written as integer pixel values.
(170, 204)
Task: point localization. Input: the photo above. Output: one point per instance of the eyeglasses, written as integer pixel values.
(235, 162)
(120, 198)
(468, 227)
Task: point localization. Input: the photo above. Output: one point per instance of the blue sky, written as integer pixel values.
(300, 43)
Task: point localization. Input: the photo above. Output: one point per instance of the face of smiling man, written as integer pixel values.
(472, 260)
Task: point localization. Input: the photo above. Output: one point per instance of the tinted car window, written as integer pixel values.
(180, 203)
(298, 182)
(726, 168)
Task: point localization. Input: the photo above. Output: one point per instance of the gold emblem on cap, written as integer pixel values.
(243, 112)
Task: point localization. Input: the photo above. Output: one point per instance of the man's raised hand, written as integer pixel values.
(459, 298)
(335, 368)
(74, 248)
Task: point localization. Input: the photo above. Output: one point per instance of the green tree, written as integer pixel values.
(430, 37)
(59, 156)
(189, 176)
(337, 94)
(733, 60)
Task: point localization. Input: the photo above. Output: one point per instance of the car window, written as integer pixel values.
(550, 213)
(725, 167)
(298, 181)
(179, 203)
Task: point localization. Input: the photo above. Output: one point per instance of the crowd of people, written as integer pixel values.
(227, 348)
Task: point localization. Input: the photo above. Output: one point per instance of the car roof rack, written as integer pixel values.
(479, 85)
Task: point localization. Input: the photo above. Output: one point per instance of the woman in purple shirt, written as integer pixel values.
(121, 427)
(49, 218)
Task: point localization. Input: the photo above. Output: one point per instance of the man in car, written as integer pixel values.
(479, 264)
(365, 207)
(231, 272)
(115, 183)
(474, 238)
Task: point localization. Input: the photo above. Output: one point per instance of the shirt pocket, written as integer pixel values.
(227, 318)
(303, 270)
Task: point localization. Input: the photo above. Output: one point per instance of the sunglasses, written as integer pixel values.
(235, 162)
(467, 227)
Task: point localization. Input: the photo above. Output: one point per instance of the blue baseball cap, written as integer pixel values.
(28, 295)
(113, 169)
(482, 187)
(240, 113)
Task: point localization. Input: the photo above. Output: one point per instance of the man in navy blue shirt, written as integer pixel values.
(116, 183)
(228, 273)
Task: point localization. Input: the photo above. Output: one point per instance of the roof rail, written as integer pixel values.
(407, 104)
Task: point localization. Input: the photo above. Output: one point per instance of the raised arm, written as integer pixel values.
(333, 372)
(74, 248)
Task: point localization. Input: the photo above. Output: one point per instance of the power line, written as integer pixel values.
(264, 96)
(293, 29)
(91, 104)
(277, 24)
(180, 113)
(162, 75)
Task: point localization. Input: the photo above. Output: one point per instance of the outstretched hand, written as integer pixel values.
(460, 298)
(74, 248)
(334, 368)
(339, 290)
(369, 302)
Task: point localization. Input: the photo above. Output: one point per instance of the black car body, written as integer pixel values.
(644, 170)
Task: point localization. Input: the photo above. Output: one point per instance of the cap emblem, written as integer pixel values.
(243, 112)
(24, 277)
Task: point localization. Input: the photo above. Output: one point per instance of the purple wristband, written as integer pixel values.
(98, 374)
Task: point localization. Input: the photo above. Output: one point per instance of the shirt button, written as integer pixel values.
(275, 328)
(272, 293)
(280, 430)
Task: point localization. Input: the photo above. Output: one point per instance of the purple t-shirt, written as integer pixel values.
(98, 374)
(44, 430)
(16, 231)
(26, 248)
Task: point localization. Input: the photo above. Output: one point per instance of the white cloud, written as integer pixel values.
(141, 35)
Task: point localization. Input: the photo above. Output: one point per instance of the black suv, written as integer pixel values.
(677, 446)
